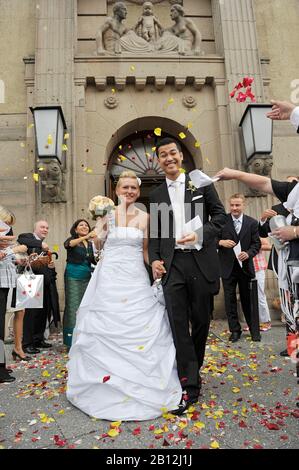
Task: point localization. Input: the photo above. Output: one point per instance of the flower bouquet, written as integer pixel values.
(99, 206)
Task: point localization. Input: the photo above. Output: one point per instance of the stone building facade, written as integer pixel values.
(112, 101)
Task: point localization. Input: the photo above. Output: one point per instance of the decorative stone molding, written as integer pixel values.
(140, 83)
(189, 101)
(179, 83)
(111, 102)
(101, 83)
(160, 83)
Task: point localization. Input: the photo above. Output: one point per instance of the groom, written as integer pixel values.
(187, 262)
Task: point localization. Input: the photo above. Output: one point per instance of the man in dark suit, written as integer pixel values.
(237, 267)
(188, 262)
(35, 319)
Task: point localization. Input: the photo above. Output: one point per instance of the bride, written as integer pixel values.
(122, 362)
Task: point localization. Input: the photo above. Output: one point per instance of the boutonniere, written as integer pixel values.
(191, 187)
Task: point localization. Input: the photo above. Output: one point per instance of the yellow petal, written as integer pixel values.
(50, 139)
(140, 348)
(66, 136)
(2, 414)
(235, 389)
(208, 161)
(132, 68)
(199, 425)
(64, 147)
(22, 144)
(189, 125)
(215, 445)
(122, 158)
(115, 424)
(158, 431)
(113, 432)
(170, 101)
(113, 90)
(30, 125)
(120, 147)
(182, 170)
(182, 135)
(61, 412)
(55, 247)
(197, 144)
(35, 177)
(158, 131)
(46, 374)
(154, 149)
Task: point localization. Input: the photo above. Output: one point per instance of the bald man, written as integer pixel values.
(35, 319)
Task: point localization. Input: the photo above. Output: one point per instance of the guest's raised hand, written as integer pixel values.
(281, 110)
(267, 214)
(226, 174)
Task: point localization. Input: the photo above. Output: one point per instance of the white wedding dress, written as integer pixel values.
(122, 362)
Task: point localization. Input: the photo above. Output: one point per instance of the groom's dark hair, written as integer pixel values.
(166, 141)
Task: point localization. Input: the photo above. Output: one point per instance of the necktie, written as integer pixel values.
(178, 209)
(237, 224)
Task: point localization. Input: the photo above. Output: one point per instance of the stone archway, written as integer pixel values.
(132, 147)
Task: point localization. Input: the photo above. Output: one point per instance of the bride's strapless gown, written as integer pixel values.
(122, 362)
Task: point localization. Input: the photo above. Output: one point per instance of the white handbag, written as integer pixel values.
(30, 290)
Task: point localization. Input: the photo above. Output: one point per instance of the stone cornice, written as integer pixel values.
(129, 58)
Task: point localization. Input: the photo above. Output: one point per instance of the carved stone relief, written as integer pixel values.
(148, 35)
(189, 101)
(52, 183)
(259, 165)
(111, 102)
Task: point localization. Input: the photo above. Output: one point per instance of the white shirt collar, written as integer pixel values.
(34, 234)
(181, 179)
(240, 218)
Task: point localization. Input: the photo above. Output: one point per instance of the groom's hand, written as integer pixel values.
(158, 269)
(189, 239)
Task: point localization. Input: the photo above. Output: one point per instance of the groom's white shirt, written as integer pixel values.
(171, 191)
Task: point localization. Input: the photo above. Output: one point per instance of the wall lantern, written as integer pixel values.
(257, 130)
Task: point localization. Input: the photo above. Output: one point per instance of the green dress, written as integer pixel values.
(76, 278)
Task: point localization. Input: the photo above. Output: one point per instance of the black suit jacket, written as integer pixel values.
(162, 245)
(250, 242)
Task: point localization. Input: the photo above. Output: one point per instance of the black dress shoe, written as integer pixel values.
(184, 404)
(6, 378)
(235, 336)
(256, 338)
(284, 353)
(42, 345)
(31, 350)
(9, 371)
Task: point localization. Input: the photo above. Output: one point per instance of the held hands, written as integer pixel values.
(189, 239)
(243, 256)
(19, 249)
(227, 243)
(267, 214)
(2, 255)
(158, 269)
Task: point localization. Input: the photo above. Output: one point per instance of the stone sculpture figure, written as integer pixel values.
(148, 25)
(52, 183)
(114, 37)
(107, 37)
(183, 37)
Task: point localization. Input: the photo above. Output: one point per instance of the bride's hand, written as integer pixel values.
(101, 228)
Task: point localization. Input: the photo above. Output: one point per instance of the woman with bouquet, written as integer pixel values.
(122, 362)
(77, 274)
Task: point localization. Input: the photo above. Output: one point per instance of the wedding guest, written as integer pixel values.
(8, 277)
(35, 320)
(80, 258)
(237, 267)
(288, 266)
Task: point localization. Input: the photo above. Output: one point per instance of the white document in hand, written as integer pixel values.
(200, 179)
(192, 226)
(237, 250)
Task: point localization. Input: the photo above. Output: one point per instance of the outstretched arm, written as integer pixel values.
(260, 183)
(284, 110)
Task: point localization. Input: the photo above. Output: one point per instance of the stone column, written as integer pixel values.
(236, 40)
(54, 85)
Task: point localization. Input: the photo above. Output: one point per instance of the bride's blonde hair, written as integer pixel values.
(127, 174)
